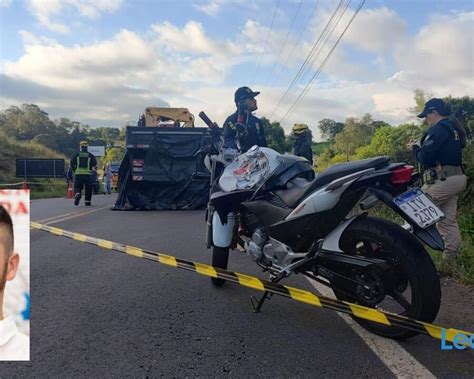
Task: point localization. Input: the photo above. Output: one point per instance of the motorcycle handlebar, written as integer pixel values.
(207, 120)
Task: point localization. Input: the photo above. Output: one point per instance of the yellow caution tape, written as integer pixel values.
(300, 295)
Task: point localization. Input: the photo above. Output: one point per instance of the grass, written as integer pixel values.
(318, 147)
(47, 193)
(50, 188)
(12, 149)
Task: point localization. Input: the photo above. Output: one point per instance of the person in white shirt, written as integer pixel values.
(14, 346)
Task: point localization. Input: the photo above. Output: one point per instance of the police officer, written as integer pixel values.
(302, 142)
(242, 129)
(82, 164)
(440, 156)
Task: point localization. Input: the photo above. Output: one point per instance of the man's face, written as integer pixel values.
(251, 104)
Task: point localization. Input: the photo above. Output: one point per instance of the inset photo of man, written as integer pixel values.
(14, 275)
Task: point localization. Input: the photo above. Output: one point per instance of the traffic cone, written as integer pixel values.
(69, 190)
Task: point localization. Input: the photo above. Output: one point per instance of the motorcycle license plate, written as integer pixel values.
(416, 205)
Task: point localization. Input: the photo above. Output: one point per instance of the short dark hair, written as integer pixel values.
(6, 231)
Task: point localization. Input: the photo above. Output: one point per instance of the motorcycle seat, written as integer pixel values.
(342, 169)
(301, 187)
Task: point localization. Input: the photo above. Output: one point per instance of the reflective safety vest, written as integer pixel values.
(83, 164)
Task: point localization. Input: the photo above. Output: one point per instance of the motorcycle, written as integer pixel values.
(290, 221)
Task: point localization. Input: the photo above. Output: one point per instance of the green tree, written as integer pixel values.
(391, 141)
(345, 144)
(329, 128)
(324, 159)
(275, 136)
(27, 121)
(113, 154)
(356, 133)
(421, 97)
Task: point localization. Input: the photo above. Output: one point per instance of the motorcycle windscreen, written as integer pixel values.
(247, 171)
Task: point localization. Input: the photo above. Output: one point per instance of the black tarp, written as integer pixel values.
(173, 175)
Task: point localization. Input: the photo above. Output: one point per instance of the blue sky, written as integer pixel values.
(102, 62)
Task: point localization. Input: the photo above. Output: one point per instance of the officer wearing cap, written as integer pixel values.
(82, 164)
(242, 129)
(302, 142)
(440, 153)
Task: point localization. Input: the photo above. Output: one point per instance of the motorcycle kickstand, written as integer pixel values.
(266, 295)
(283, 274)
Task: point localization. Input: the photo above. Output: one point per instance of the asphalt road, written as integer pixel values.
(99, 313)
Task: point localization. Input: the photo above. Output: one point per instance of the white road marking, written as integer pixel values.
(401, 363)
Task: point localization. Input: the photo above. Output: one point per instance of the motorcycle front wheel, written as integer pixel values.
(410, 287)
(220, 259)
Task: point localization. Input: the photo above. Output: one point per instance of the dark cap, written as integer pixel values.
(244, 93)
(437, 105)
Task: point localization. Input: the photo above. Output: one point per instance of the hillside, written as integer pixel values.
(13, 149)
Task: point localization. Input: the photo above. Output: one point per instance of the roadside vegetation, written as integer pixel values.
(28, 132)
(360, 138)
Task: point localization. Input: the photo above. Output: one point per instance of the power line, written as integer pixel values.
(297, 41)
(318, 71)
(305, 63)
(326, 35)
(268, 36)
(286, 38)
(316, 74)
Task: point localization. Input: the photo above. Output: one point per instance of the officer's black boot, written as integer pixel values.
(77, 198)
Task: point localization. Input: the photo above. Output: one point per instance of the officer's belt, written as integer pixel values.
(448, 171)
(453, 170)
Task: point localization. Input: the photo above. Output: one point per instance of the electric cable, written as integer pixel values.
(316, 74)
(320, 48)
(305, 63)
(266, 42)
(296, 44)
(286, 39)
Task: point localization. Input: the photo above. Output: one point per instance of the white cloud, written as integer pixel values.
(440, 55)
(105, 82)
(192, 39)
(393, 102)
(29, 38)
(437, 59)
(5, 3)
(213, 7)
(375, 30)
(45, 11)
(186, 67)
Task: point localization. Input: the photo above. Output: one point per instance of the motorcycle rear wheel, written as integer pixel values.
(220, 259)
(379, 238)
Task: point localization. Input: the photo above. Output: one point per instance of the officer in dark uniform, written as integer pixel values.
(242, 129)
(440, 154)
(302, 142)
(82, 164)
